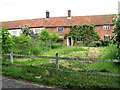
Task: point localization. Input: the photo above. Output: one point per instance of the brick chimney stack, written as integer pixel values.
(69, 14)
(47, 14)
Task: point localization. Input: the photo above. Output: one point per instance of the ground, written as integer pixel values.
(8, 82)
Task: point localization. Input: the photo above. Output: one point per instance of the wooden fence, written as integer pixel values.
(58, 58)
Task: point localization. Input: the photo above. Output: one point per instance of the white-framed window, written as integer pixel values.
(106, 27)
(59, 28)
(37, 30)
(106, 37)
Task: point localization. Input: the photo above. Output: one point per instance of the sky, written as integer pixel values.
(30, 9)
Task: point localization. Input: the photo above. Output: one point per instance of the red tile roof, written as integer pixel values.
(62, 21)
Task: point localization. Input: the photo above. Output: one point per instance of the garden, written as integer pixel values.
(46, 44)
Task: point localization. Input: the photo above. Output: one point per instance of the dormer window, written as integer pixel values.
(106, 27)
(59, 28)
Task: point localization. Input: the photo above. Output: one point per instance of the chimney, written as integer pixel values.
(69, 14)
(47, 14)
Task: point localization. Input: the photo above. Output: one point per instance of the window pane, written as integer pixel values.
(14, 32)
(59, 28)
(37, 30)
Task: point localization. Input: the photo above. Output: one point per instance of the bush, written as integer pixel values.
(105, 42)
(110, 52)
(20, 39)
(6, 39)
(60, 40)
(95, 44)
(57, 45)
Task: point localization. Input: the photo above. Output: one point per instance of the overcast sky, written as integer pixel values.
(30, 9)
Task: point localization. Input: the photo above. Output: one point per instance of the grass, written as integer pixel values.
(74, 52)
(61, 78)
(109, 52)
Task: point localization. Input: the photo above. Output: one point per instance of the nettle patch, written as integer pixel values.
(84, 33)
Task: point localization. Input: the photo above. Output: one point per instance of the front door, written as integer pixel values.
(69, 41)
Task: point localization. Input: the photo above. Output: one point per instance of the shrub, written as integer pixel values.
(20, 39)
(95, 44)
(57, 45)
(110, 52)
(105, 42)
(60, 40)
(6, 40)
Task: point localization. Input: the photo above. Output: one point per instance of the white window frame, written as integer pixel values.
(106, 27)
(60, 27)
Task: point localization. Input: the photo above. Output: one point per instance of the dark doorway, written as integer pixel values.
(70, 41)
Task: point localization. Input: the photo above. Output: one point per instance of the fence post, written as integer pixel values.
(57, 61)
(11, 57)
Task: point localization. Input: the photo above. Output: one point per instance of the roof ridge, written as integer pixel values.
(58, 17)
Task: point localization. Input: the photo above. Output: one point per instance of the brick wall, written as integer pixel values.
(101, 32)
(98, 29)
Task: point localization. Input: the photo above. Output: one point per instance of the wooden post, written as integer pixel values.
(57, 61)
(11, 57)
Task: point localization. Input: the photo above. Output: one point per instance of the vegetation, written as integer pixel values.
(46, 45)
(44, 35)
(116, 37)
(6, 40)
(60, 79)
(83, 32)
(108, 52)
(26, 30)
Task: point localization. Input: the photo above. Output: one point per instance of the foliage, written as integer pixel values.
(20, 39)
(84, 32)
(116, 30)
(44, 35)
(105, 42)
(60, 40)
(6, 39)
(57, 45)
(26, 30)
(54, 36)
(95, 44)
(110, 52)
(62, 79)
(31, 47)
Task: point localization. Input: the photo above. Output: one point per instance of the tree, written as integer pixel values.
(6, 39)
(26, 30)
(44, 35)
(54, 37)
(116, 30)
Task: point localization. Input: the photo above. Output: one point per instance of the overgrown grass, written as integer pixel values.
(73, 52)
(109, 52)
(61, 78)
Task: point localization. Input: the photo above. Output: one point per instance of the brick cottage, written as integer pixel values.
(60, 25)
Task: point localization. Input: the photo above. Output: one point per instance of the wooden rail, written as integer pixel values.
(58, 58)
